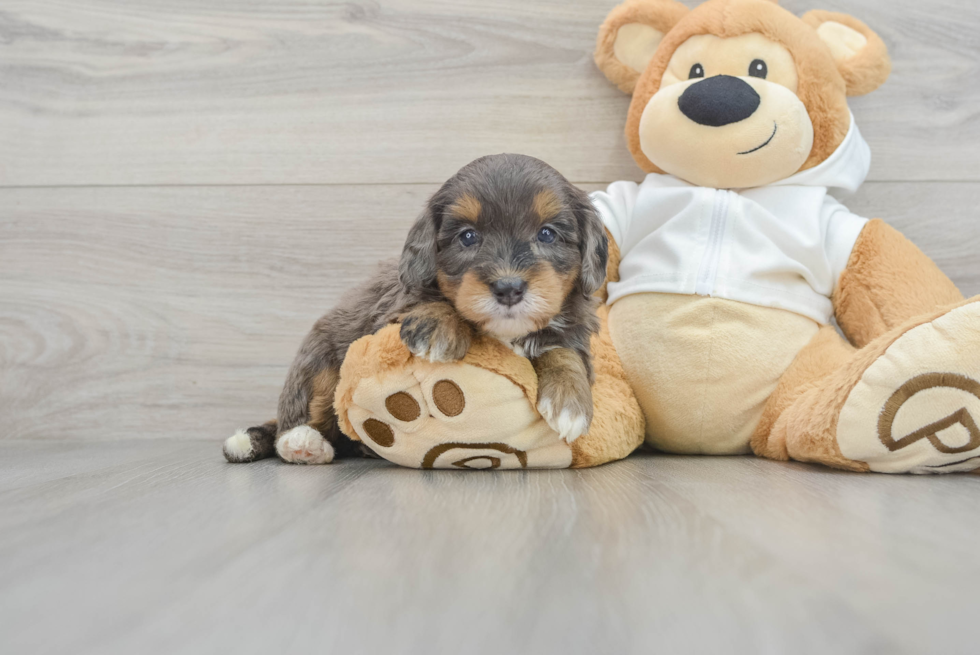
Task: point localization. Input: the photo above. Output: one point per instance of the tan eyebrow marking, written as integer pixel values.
(546, 205)
(467, 208)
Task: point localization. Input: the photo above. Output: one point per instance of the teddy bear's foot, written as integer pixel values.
(430, 415)
(908, 402)
(916, 408)
(304, 445)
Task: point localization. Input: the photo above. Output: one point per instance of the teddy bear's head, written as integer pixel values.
(736, 93)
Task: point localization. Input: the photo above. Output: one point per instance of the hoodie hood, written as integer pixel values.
(844, 171)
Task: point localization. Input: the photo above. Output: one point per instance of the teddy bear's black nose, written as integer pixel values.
(719, 100)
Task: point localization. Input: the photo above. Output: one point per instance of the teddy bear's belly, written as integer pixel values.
(702, 368)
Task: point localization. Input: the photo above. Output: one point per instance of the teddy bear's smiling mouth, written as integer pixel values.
(768, 141)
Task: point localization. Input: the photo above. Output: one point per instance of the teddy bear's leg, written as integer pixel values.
(887, 282)
(908, 401)
(826, 353)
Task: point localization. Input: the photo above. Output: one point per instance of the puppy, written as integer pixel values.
(507, 248)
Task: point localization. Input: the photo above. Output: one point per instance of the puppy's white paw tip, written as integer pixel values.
(238, 447)
(570, 426)
(304, 445)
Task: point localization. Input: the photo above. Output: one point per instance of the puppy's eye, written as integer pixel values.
(758, 68)
(469, 238)
(547, 235)
(697, 70)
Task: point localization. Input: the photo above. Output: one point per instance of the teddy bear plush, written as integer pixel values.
(728, 264)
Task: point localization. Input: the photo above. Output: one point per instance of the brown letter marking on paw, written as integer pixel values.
(930, 432)
(476, 461)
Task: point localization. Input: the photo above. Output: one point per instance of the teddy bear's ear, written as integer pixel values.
(630, 35)
(861, 55)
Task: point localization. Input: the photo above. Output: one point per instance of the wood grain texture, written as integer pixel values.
(131, 313)
(161, 547)
(102, 92)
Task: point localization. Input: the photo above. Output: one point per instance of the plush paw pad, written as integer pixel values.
(304, 445)
(916, 409)
(448, 398)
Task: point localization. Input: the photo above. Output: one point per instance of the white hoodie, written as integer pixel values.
(783, 245)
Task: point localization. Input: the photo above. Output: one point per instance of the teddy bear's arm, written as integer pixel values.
(887, 281)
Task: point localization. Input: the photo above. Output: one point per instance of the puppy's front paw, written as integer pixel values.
(435, 332)
(567, 411)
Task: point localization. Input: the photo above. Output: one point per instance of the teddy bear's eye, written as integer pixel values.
(758, 68)
(697, 70)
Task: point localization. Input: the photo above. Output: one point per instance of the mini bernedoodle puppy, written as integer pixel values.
(507, 248)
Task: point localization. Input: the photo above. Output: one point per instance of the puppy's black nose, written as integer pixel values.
(719, 100)
(509, 290)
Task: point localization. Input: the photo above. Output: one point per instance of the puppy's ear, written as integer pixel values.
(417, 267)
(630, 35)
(593, 244)
(860, 54)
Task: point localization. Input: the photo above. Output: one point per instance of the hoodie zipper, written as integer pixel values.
(708, 270)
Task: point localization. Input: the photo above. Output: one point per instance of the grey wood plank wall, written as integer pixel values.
(185, 186)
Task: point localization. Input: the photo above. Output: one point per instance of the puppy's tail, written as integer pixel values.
(252, 444)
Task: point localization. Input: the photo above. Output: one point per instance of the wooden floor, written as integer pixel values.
(161, 547)
(186, 185)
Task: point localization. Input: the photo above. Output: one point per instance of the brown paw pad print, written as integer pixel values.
(447, 397)
(403, 407)
(380, 433)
